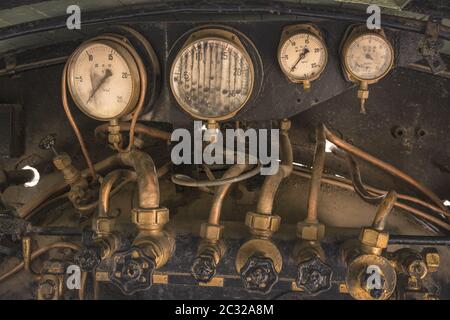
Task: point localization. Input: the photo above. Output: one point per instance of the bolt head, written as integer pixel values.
(374, 238)
(314, 276)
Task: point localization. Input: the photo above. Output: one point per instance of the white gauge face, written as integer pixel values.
(303, 56)
(212, 78)
(369, 57)
(102, 81)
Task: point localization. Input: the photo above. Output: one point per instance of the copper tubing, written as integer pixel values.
(143, 91)
(221, 192)
(74, 125)
(105, 189)
(316, 176)
(38, 253)
(345, 184)
(384, 166)
(271, 183)
(139, 128)
(147, 178)
(384, 209)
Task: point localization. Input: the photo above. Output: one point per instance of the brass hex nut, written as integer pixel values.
(104, 225)
(114, 138)
(285, 124)
(62, 161)
(363, 94)
(310, 231)
(432, 259)
(150, 218)
(211, 231)
(262, 222)
(374, 238)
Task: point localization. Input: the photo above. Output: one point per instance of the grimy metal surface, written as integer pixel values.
(406, 124)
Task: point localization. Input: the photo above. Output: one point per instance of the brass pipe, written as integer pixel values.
(221, 192)
(147, 178)
(316, 176)
(345, 184)
(105, 189)
(38, 253)
(272, 182)
(83, 282)
(384, 166)
(26, 252)
(73, 123)
(139, 128)
(384, 209)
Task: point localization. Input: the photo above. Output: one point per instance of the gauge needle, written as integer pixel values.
(108, 74)
(368, 56)
(300, 58)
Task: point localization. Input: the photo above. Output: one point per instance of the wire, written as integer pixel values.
(187, 181)
(346, 184)
(384, 166)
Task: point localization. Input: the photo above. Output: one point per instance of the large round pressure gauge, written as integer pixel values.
(302, 54)
(103, 79)
(212, 76)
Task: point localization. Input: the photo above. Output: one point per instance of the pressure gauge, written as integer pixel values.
(302, 54)
(367, 56)
(103, 78)
(212, 76)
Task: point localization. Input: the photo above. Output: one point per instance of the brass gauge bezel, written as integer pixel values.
(293, 30)
(214, 34)
(116, 43)
(353, 34)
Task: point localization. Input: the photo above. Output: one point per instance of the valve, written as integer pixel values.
(79, 188)
(369, 275)
(50, 282)
(88, 258)
(203, 268)
(259, 262)
(97, 246)
(210, 251)
(132, 271)
(410, 263)
(313, 274)
(48, 143)
(259, 274)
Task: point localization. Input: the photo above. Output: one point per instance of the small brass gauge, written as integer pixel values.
(367, 57)
(212, 75)
(302, 54)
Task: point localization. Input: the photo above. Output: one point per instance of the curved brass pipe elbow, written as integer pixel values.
(147, 178)
(271, 183)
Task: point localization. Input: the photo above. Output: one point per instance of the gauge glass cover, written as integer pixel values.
(103, 80)
(303, 56)
(369, 57)
(212, 78)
